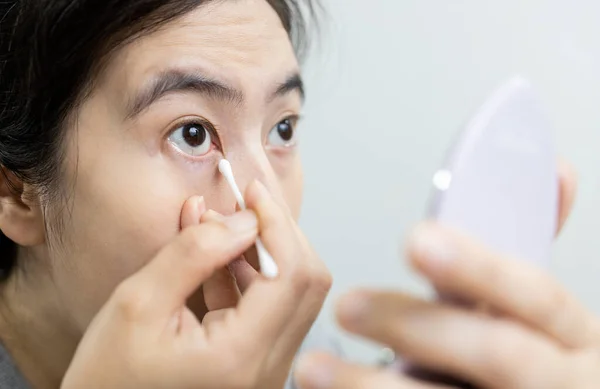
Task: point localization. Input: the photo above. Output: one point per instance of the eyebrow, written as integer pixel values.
(178, 81)
(291, 84)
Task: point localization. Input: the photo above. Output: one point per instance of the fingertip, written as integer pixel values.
(256, 193)
(200, 205)
(192, 211)
(315, 371)
(212, 216)
(260, 201)
(352, 307)
(430, 247)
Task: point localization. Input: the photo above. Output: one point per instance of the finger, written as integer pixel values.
(241, 274)
(268, 306)
(567, 191)
(216, 316)
(212, 216)
(276, 226)
(457, 266)
(164, 284)
(220, 291)
(214, 319)
(312, 278)
(321, 371)
(309, 307)
(488, 352)
(192, 211)
(244, 273)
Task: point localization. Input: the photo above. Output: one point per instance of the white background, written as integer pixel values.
(390, 84)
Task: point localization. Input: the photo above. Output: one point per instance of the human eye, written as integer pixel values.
(194, 137)
(284, 133)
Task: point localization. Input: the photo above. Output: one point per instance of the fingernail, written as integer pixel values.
(315, 372)
(211, 215)
(431, 246)
(200, 206)
(353, 308)
(242, 222)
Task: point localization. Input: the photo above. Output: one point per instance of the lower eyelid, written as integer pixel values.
(195, 160)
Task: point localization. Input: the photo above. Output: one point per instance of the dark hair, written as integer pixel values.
(49, 54)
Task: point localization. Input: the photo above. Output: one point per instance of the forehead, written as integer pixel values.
(237, 41)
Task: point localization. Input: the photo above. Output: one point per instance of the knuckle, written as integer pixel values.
(322, 280)
(309, 273)
(492, 271)
(301, 277)
(503, 349)
(200, 241)
(553, 306)
(511, 358)
(130, 301)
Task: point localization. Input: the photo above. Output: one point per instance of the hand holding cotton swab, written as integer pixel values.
(268, 267)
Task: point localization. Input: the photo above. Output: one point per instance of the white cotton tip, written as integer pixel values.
(268, 267)
(225, 169)
(227, 172)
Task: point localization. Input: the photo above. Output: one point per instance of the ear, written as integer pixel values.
(567, 179)
(21, 215)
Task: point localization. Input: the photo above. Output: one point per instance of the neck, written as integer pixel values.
(34, 331)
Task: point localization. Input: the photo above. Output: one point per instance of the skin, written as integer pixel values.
(532, 333)
(251, 344)
(133, 267)
(131, 189)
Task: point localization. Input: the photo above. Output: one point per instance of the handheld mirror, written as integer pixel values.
(499, 183)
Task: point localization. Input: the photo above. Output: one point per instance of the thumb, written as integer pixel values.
(192, 211)
(162, 287)
(220, 290)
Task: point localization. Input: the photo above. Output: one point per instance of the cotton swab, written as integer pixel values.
(268, 267)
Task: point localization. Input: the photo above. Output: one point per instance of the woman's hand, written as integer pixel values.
(145, 337)
(532, 334)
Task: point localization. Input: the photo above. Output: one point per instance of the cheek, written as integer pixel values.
(123, 212)
(291, 181)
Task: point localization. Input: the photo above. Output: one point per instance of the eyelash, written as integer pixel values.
(215, 132)
(211, 128)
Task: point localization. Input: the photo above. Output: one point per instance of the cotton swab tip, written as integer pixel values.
(227, 172)
(225, 169)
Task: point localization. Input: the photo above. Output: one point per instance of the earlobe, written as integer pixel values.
(21, 215)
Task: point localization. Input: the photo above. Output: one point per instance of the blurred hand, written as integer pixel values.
(533, 334)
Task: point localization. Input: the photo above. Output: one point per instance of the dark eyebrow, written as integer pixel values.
(291, 84)
(173, 81)
(181, 81)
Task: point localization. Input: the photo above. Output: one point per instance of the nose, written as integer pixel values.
(256, 166)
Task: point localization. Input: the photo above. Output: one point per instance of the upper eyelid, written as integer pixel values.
(216, 130)
(213, 128)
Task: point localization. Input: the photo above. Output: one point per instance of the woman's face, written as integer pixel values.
(222, 81)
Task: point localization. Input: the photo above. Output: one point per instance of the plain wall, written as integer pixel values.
(390, 84)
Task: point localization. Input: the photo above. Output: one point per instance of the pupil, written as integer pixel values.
(285, 130)
(194, 135)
